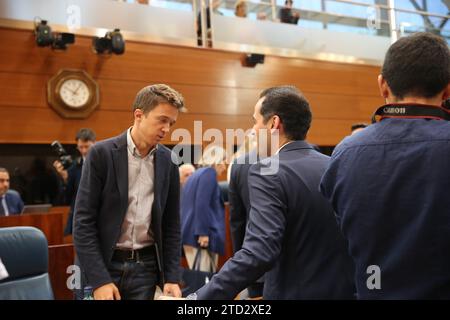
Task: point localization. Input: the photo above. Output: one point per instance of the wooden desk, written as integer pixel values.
(49, 223)
(65, 211)
(59, 258)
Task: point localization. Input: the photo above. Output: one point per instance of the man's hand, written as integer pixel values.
(107, 292)
(61, 171)
(172, 290)
(203, 241)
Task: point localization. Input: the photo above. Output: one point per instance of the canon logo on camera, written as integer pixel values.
(394, 110)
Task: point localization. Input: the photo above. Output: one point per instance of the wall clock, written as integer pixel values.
(73, 93)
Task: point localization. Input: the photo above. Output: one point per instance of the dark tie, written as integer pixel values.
(2, 210)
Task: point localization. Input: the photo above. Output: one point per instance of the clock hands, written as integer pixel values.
(79, 86)
(69, 90)
(76, 90)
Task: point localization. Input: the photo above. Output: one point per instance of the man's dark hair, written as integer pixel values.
(4, 170)
(85, 134)
(417, 65)
(359, 126)
(151, 96)
(288, 103)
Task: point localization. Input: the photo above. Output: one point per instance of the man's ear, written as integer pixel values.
(383, 87)
(138, 114)
(276, 124)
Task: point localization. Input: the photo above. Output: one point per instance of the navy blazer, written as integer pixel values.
(202, 210)
(239, 198)
(292, 234)
(14, 202)
(102, 202)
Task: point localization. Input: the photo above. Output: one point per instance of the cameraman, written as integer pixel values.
(85, 138)
(389, 183)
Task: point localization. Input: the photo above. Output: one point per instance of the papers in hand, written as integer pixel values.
(3, 273)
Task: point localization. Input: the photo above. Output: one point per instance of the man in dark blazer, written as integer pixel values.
(239, 200)
(292, 233)
(85, 139)
(126, 224)
(10, 201)
(238, 197)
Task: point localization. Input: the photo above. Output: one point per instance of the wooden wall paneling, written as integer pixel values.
(25, 90)
(43, 126)
(151, 62)
(39, 125)
(217, 89)
(65, 211)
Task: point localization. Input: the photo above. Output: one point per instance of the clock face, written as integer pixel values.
(74, 93)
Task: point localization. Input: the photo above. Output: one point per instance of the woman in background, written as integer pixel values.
(202, 211)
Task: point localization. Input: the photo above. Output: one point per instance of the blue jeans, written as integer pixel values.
(136, 280)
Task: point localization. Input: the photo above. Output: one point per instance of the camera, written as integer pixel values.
(252, 59)
(61, 40)
(112, 42)
(44, 35)
(64, 157)
(46, 38)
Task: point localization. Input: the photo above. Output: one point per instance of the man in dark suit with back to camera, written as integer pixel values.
(390, 183)
(239, 199)
(292, 233)
(127, 220)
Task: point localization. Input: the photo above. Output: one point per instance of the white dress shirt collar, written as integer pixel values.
(284, 145)
(134, 150)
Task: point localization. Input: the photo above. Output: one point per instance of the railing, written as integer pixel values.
(348, 16)
(342, 30)
(410, 21)
(378, 20)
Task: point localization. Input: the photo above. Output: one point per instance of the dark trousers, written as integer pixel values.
(136, 280)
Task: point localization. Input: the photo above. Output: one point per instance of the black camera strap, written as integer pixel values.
(411, 111)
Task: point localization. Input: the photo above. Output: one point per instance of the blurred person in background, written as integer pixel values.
(186, 170)
(287, 15)
(203, 212)
(10, 201)
(85, 139)
(240, 9)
